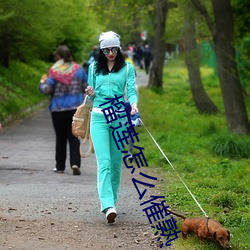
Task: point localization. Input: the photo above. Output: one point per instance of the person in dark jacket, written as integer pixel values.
(147, 54)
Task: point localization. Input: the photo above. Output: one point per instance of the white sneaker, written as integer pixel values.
(111, 214)
(58, 171)
(130, 156)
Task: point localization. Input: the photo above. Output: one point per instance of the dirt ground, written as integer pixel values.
(18, 233)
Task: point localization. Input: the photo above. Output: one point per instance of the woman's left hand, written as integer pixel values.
(90, 91)
(134, 109)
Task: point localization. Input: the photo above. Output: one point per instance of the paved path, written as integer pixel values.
(141, 78)
(60, 211)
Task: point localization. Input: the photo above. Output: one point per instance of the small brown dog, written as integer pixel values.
(205, 229)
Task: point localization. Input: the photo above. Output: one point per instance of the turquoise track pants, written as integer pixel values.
(109, 159)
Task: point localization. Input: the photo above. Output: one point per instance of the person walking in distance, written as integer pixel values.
(65, 84)
(147, 54)
(108, 76)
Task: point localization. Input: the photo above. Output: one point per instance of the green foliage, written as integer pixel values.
(243, 59)
(231, 146)
(219, 183)
(176, 18)
(224, 200)
(241, 17)
(175, 24)
(128, 18)
(19, 87)
(28, 33)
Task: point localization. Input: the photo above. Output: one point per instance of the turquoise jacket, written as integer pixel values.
(114, 83)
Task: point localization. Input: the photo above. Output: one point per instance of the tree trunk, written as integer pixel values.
(201, 99)
(235, 109)
(223, 38)
(159, 46)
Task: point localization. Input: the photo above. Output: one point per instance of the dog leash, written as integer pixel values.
(174, 170)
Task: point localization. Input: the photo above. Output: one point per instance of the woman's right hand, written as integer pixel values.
(90, 91)
(134, 109)
(43, 79)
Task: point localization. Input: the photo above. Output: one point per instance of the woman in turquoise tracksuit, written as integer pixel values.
(108, 76)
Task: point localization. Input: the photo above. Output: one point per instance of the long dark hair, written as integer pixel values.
(101, 63)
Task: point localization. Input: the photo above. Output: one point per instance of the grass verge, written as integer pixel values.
(214, 164)
(19, 89)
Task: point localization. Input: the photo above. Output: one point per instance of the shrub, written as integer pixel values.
(224, 200)
(231, 146)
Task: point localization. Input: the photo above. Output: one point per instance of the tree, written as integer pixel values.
(223, 38)
(128, 18)
(23, 33)
(159, 44)
(201, 99)
(28, 33)
(242, 33)
(241, 17)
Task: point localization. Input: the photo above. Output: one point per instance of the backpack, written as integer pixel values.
(81, 126)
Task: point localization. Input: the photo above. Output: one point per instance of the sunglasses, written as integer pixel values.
(106, 51)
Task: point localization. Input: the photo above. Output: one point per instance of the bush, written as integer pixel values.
(224, 200)
(19, 88)
(231, 146)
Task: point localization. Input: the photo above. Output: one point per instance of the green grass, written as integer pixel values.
(19, 88)
(214, 164)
